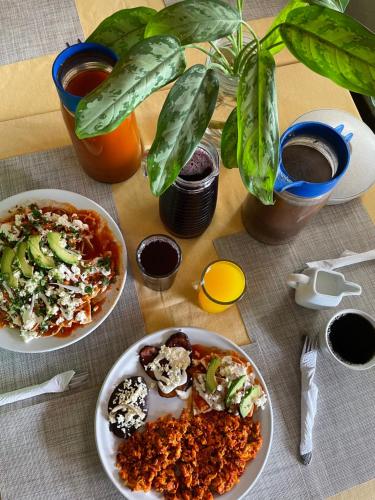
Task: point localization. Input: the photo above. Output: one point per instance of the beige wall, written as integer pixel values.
(364, 11)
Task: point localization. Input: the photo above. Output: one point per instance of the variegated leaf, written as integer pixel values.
(339, 5)
(123, 29)
(193, 21)
(274, 43)
(181, 125)
(258, 132)
(229, 140)
(147, 67)
(334, 45)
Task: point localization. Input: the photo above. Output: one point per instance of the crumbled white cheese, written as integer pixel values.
(27, 335)
(128, 402)
(78, 224)
(29, 319)
(81, 317)
(169, 367)
(261, 401)
(18, 219)
(10, 231)
(228, 371)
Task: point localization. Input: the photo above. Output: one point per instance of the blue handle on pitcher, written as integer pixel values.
(348, 137)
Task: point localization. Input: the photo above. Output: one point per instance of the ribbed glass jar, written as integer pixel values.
(187, 207)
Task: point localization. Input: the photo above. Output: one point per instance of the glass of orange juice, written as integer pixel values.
(222, 284)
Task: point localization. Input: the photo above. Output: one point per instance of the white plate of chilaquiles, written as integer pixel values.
(63, 267)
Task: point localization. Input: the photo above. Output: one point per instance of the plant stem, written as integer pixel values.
(269, 33)
(240, 29)
(233, 40)
(219, 54)
(221, 61)
(275, 45)
(251, 31)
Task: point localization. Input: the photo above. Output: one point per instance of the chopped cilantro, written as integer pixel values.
(36, 213)
(105, 262)
(88, 289)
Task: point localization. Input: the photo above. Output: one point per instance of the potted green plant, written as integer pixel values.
(151, 47)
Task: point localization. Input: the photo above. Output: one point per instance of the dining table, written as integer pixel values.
(31, 122)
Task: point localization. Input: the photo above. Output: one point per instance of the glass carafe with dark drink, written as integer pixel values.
(313, 158)
(187, 207)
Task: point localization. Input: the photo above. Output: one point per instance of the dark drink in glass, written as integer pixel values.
(158, 257)
(187, 207)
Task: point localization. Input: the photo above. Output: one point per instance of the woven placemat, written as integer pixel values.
(344, 439)
(33, 28)
(253, 9)
(54, 434)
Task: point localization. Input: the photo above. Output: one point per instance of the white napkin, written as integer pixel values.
(309, 397)
(347, 258)
(59, 383)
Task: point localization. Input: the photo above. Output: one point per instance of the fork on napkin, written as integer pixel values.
(309, 397)
(58, 383)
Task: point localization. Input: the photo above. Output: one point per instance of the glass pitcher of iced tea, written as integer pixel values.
(111, 157)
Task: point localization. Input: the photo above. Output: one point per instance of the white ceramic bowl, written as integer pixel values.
(10, 339)
(327, 349)
(128, 365)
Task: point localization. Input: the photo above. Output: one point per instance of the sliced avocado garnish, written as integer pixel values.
(247, 402)
(37, 255)
(211, 382)
(234, 387)
(6, 263)
(26, 268)
(67, 256)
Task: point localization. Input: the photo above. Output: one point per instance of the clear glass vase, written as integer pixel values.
(226, 101)
(227, 98)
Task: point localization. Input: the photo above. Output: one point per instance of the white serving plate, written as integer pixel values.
(128, 365)
(360, 175)
(10, 339)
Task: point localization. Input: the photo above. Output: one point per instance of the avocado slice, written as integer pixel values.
(67, 256)
(234, 386)
(247, 402)
(26, 268)
(6, 263)
(37, 255)
(211, 383)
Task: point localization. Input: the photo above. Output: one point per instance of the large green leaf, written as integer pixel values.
(274, 39)
(229, 140)
(258, 132)
(123, 29)
(147, 67)
(181, 125)
(334, 45)
(194, 21)
(339, 5)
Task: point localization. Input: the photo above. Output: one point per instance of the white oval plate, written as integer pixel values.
(360, 175)
(10, 339)
(128, 365)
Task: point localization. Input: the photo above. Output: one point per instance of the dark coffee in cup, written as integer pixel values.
(351, 338)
